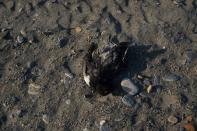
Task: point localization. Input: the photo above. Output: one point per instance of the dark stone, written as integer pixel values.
(63, 42)
(40, 126)
(3, 120)
(184, 99)
(163, 61)
(178, 37)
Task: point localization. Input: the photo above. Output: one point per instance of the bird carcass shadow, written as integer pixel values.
(135, 62)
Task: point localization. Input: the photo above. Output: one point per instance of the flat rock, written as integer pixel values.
(171, 78)
(33, 89)
(128, 100)
(172, 119)
(129, 87)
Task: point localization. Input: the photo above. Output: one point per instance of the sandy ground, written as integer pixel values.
(42, 44)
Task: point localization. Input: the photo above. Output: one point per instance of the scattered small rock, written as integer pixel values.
(103, 126)
(23, 32)
(172, 119)
(68, 102)
(129, 87)
(31, 64)
(45, 119)
(34, 89)
(78, 29)
(140, 77)
(68, 74)
(128, 100)
(20, 39)
(183, 99)
(171, 78)
(63, 42)
(149, 88)
(32, 38)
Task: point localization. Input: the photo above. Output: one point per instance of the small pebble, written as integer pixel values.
(20, 39)
(45, 119)
(129, 87)
(172, 119)
(32, 38)
(34, 89)
(183, 99)
(128, 100)
(23, 32)
(149, 88)
(103, 126)
(140, 77)
(68, 102)
(69, 74)
(78, 29)
(171, 78)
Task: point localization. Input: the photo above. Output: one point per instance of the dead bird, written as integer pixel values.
(102, 64)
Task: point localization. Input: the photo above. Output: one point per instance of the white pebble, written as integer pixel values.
(68, 102)
(45, 119)
(129, 87)
(149, 88)
(33, 89)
